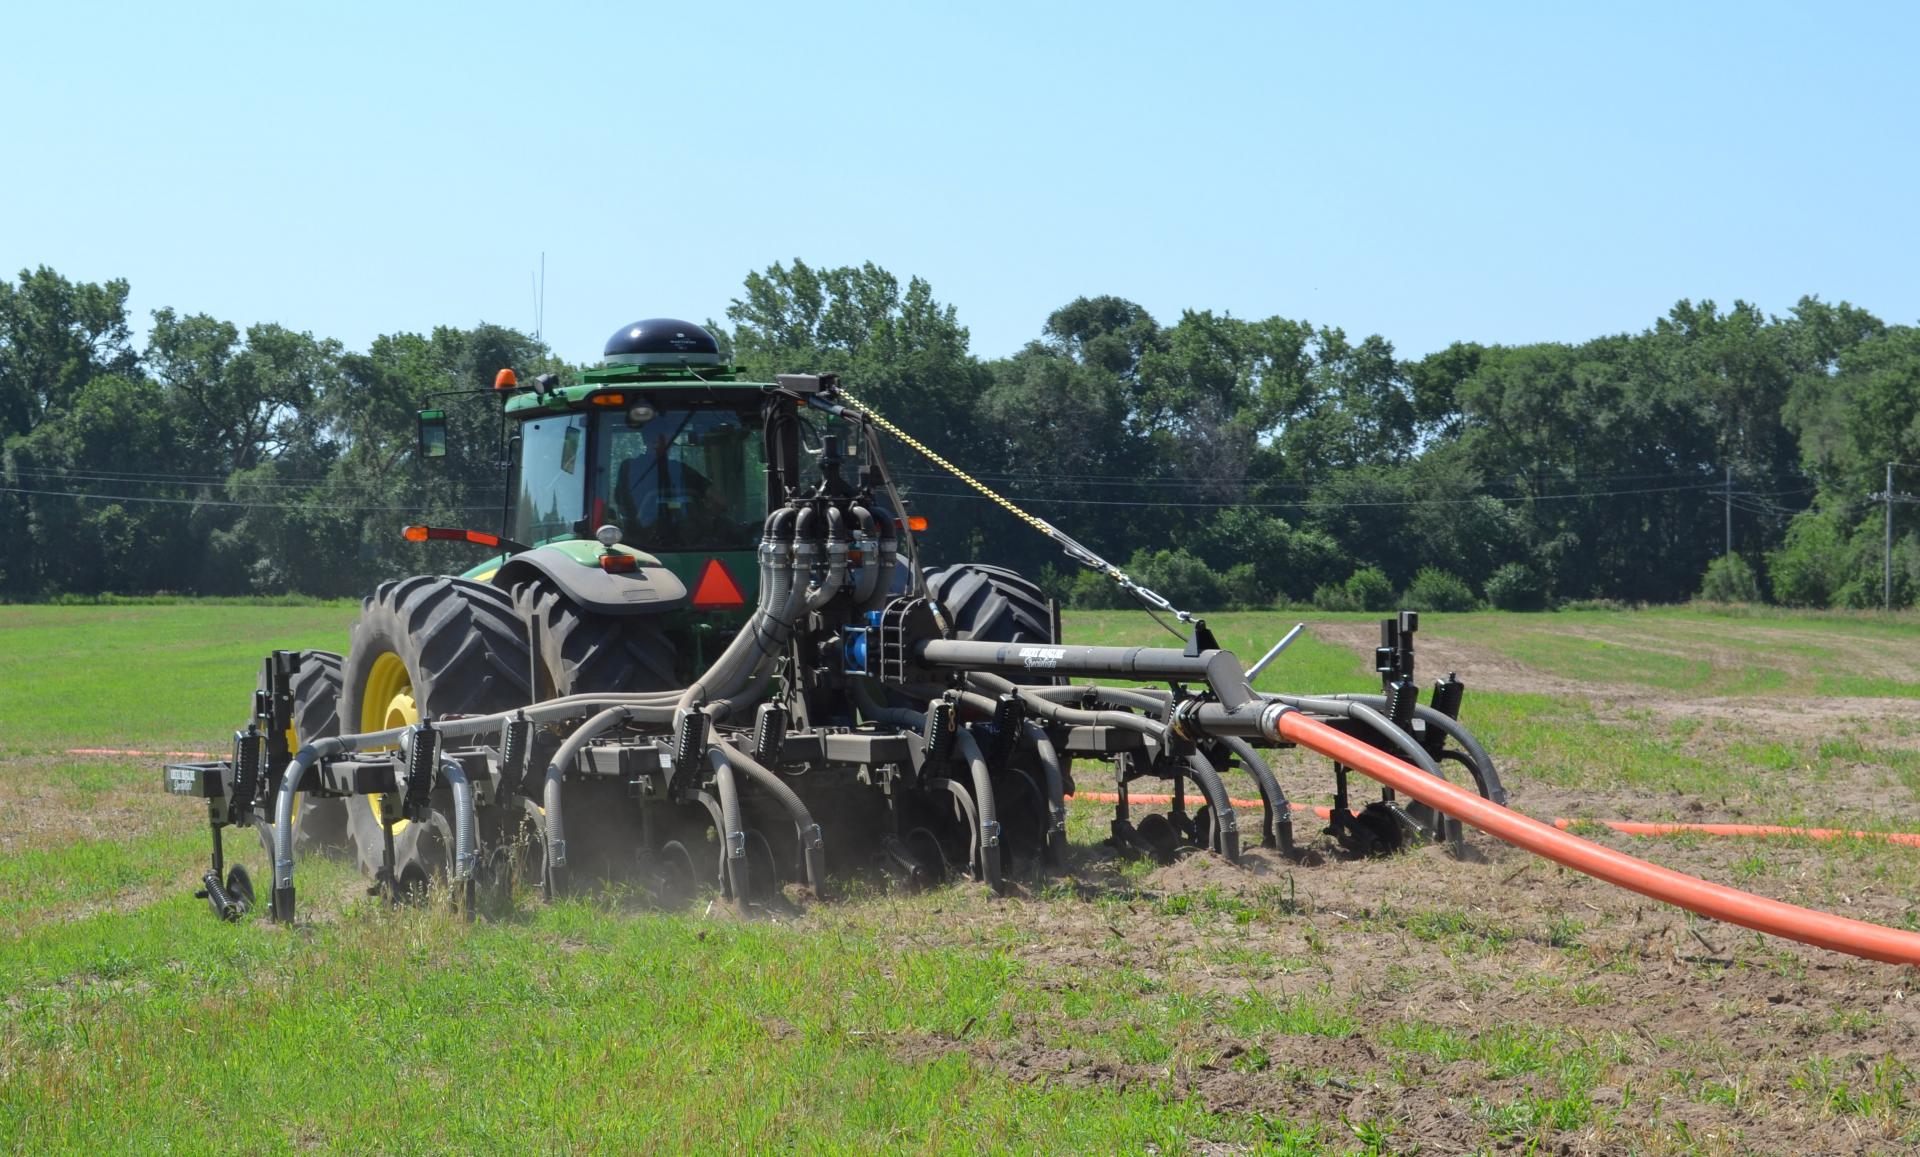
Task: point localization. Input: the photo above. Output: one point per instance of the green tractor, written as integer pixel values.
(626, 561)
(702, 653)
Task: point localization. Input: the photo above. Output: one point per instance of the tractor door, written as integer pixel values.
(549, 480)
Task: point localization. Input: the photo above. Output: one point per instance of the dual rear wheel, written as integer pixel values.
(432, 646)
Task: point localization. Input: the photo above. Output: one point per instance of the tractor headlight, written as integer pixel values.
(641, 414)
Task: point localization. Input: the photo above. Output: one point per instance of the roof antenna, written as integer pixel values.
(540, 299)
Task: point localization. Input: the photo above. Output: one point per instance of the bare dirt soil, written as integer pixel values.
(1686, 1035)
(1779, 717)
(1549, 1012)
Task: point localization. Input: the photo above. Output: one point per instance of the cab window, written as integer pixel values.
(684, 480)
(552, 488)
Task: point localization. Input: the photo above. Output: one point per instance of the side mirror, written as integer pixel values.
(433, 433)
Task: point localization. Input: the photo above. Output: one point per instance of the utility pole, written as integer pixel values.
(1889, 497)
(1729, 509)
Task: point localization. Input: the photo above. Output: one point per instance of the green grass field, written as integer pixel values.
(1416, 1004)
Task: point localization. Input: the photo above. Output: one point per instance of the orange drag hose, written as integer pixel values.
(1821, 929)
(1624, 827)
(1636, 828)
(150, 754)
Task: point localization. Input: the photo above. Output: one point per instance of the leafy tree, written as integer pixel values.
(1180, 578)
(55, 337)
(1369, 590)
(1730, 579)
(1515, 587)
(1436, 590)
(1107, 334)
(130, 533)
(1237, 461)
(1810, 566)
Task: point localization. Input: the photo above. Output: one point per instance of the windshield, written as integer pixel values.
(550, 493)
(688, 479)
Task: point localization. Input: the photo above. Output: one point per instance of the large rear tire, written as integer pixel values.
(581, 651)
(992, 604)
(425, 647)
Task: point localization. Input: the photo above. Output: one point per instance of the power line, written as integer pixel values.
(132, 478)
(1130, 480)
(1713, 487)
(237, 505)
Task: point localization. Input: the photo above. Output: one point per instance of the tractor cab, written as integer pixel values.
(659, 441)
(674, 472)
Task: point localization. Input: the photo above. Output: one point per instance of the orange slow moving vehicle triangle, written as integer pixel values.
(716, 587)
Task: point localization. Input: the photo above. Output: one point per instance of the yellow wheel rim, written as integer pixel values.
(387, 702)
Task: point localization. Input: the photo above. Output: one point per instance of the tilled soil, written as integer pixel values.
(1780, 717)
(1702, 1037)
(1504, 1003)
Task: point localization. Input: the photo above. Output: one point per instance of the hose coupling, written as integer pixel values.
(1270, 720)
(1181, 720)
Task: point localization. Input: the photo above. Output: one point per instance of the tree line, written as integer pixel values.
(1225, 461)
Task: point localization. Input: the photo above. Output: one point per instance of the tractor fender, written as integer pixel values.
(648, 589)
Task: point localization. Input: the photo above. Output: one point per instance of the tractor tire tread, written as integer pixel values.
(582, 652)
(992, 604)
(465, 647)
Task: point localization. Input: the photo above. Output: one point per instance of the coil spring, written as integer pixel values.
(516, 745)
(423, 763)
(1006, 727)
(246, 768)
(943, 723)
(691, 744)
(770, 733)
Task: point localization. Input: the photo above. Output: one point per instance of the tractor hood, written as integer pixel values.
(573, 565)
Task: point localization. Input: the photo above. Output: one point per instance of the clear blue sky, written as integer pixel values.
(1430, 173)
